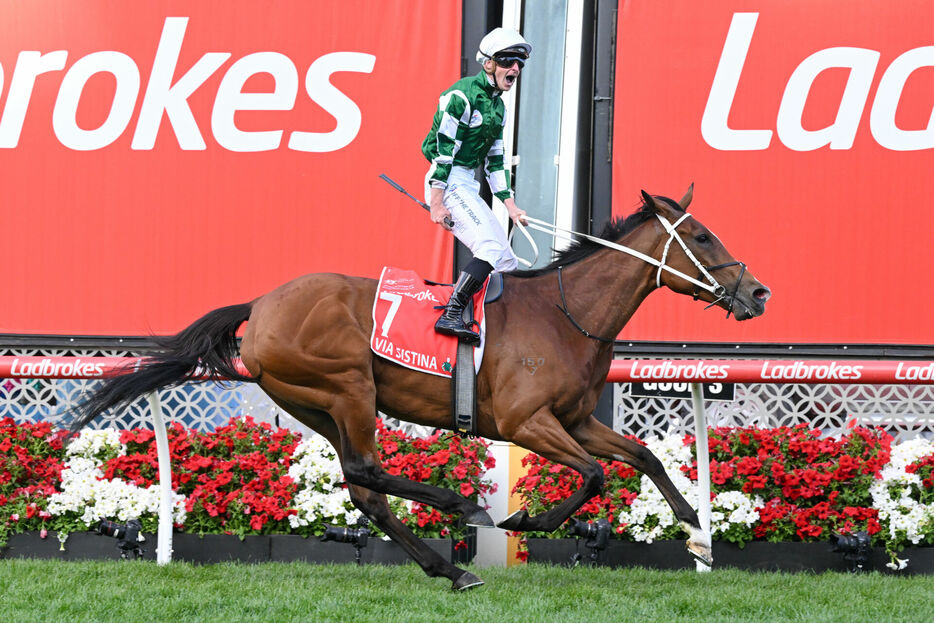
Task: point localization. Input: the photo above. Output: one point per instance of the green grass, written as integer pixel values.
(33, 590)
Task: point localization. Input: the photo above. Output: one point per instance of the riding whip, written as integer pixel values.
(447, 219)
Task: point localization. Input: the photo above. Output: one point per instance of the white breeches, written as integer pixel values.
(474, 222)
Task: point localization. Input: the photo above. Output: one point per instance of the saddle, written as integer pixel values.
(404, 306)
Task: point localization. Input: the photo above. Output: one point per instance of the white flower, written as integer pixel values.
(85, 493)
(731, 508)
(650, 507)
(905, 517)
(320, 497)
(97, 444)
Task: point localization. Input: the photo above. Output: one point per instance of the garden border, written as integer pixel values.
(220, 548)
(785, 556)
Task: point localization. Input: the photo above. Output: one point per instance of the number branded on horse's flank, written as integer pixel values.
(306, 344)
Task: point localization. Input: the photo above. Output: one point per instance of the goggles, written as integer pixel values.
(506, 60)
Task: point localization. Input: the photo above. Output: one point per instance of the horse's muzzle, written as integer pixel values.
(749, 300)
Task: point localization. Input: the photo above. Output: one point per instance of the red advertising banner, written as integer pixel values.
(807, 129)
(165, 158)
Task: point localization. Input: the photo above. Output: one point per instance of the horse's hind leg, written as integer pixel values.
(544, 435)
(376, 507)
(362, 466)
(604, 442)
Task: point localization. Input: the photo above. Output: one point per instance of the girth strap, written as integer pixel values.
(464, 384)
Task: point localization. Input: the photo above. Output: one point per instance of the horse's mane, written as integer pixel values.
(614, 229)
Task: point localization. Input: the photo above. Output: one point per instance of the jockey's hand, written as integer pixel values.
(516, 213)
(439, 214)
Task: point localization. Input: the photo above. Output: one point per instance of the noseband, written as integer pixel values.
(721, 292)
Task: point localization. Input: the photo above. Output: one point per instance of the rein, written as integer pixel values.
(714, 287)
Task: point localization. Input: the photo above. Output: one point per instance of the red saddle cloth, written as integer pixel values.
(404, 317)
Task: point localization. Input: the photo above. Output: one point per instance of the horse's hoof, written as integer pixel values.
(514, 521)
(698, 543)
(466, 581)
(478, 519)
(701, 552)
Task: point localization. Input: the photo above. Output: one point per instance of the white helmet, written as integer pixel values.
(502, 39)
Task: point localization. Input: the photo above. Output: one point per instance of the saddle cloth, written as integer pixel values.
(404, 317)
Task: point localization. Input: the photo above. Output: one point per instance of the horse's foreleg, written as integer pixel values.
(544, 435)
(604, 442)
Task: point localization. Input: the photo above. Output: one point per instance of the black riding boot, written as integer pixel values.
(451, 321)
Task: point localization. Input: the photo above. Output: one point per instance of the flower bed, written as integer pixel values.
(775, 485)
(242, 479)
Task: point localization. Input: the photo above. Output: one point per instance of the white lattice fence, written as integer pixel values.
(199, 406)
(906, 411)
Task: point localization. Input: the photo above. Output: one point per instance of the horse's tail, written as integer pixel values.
(205, 351)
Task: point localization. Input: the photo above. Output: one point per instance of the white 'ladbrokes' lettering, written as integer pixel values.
(162, 97)
(861, 63)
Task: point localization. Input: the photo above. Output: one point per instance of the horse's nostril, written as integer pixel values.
(762, 294)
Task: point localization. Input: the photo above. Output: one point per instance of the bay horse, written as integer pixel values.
(307, 345)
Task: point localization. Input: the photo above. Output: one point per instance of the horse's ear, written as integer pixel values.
(686, 199)
(649, 201)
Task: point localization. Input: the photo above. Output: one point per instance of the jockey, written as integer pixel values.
(467, 130)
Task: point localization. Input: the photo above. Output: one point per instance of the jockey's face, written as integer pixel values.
(504, 77)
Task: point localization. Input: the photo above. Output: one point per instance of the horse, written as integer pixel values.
(307, 345)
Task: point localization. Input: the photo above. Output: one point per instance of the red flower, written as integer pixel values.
(748, 465)
(439, 458)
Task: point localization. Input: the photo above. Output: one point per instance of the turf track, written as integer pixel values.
(141, 591)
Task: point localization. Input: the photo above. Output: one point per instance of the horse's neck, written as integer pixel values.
(604, 290)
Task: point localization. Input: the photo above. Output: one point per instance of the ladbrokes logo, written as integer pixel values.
(862, 63)
(56, 369)
(809, 371)
(668, 370)
(163, 97)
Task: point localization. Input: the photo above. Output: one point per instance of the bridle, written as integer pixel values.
(704, 272)
(716, 289)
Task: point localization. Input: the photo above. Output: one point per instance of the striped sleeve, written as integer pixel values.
(494, 167)
(455, 117)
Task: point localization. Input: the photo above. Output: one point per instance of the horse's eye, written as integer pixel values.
(701, 238)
